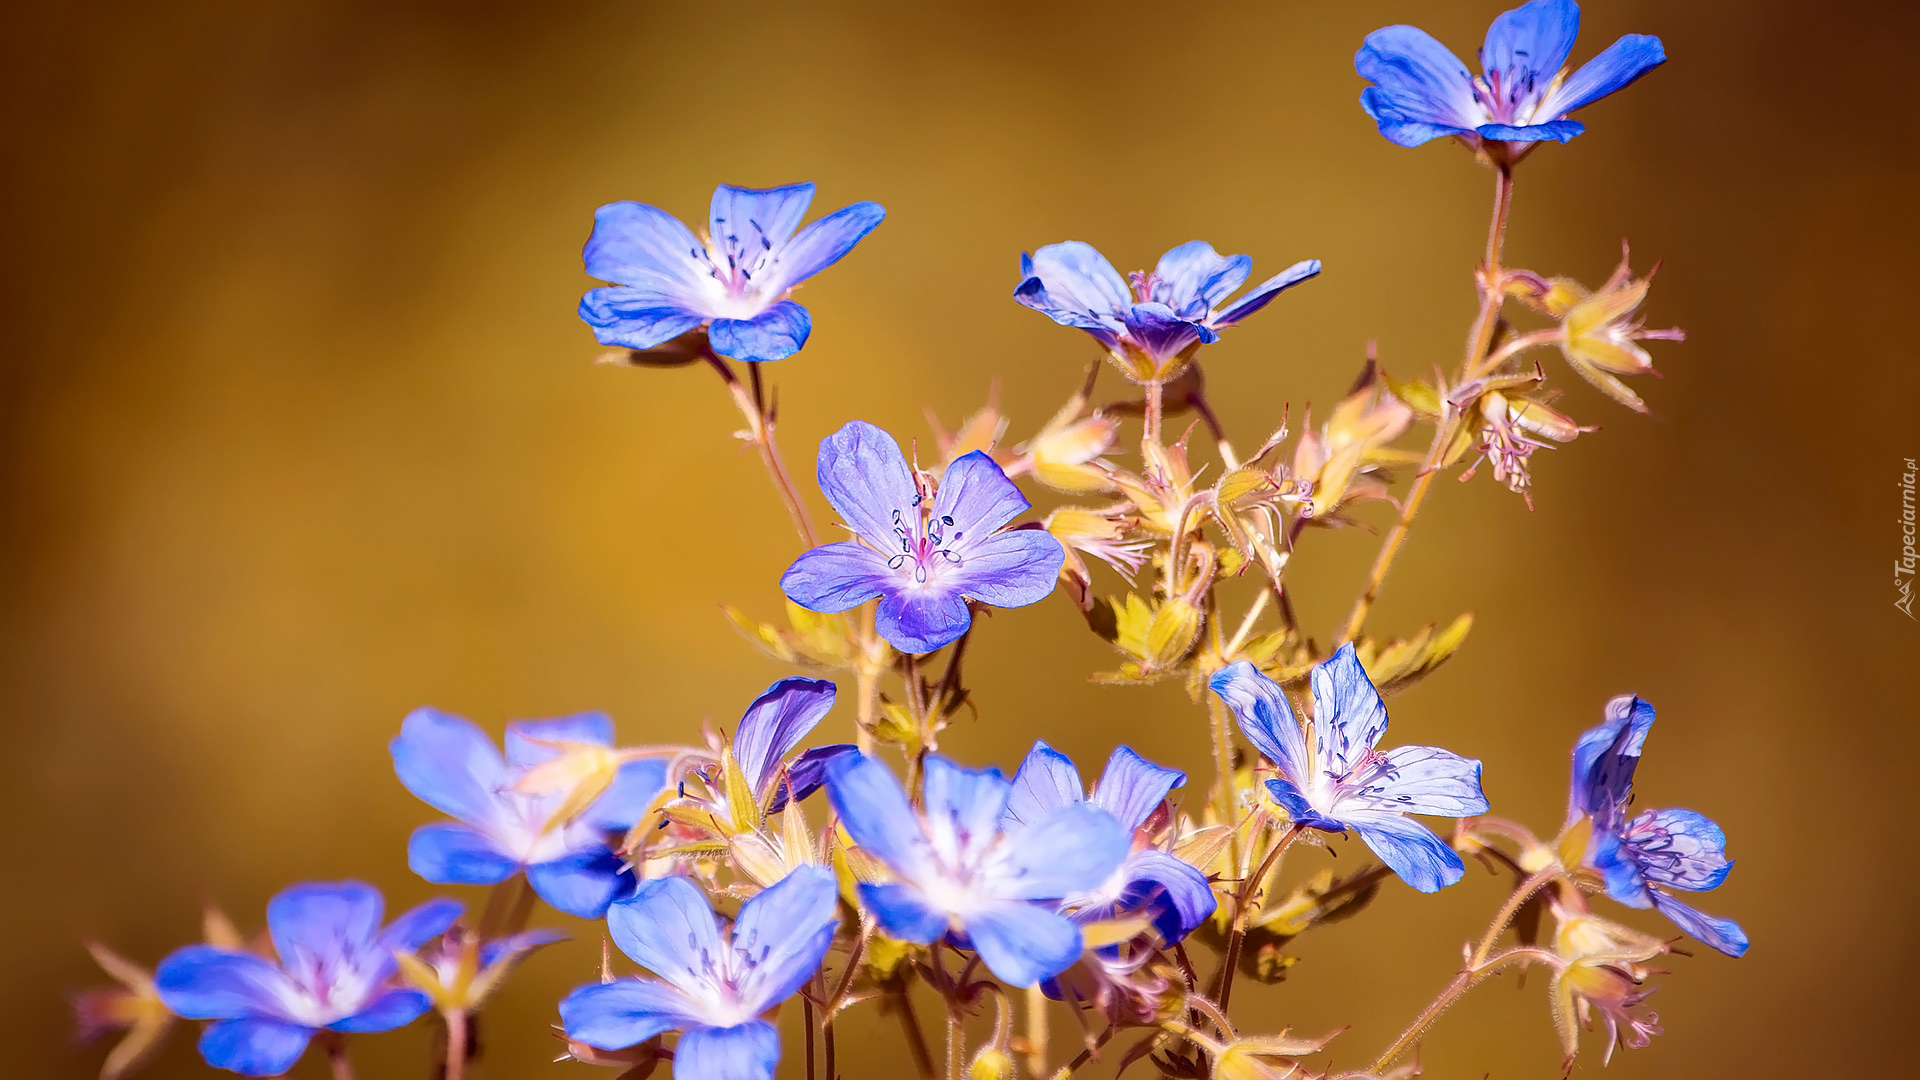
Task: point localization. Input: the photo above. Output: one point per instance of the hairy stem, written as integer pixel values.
(753, 409)
(1243, 913)
(1150, 429)
(1467, 978)
(456, 1066)
(1521, 894)
(1036, 1031)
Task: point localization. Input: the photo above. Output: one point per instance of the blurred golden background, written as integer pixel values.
(301, 433)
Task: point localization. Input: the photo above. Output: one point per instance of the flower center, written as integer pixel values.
(924, 541)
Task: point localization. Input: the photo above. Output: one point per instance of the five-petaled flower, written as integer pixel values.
(1132, 789)
(1152, 331)
(1422, 91)
(1643, 858)
(336, 973)
(963, 875)
(923, 558)
(713, 985)
(1340, 780)
(735, 281)
(503, 829)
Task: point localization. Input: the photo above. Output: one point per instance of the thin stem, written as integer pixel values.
(456, 1044)
(1036, 1031)
(1465, 980)
(1222, 758)
(1086, 1054)
(337, 1059)
(753, 410)
(1243, 912)
(910, 1026)
(806, 1025)
(954, 1039)
(1150, 433)
(1521, 894)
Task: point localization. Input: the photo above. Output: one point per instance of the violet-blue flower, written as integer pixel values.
(961, 875)
(452, 766)
(1153, 329)
(713, 985)
(1175, 895)
(923, 558)
(1644, 857)
(1342, 781)
(735, 281)
(770, 730)
(335, 973)
(1422, 91)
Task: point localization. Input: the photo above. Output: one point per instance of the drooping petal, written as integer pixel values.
(1263, 294)
(873, 808)
(1617, 65)
(838, 577)
(820, 245)
(449, 764)
(1011, 569)
(1559, 131)
(1408, 848)
(1071, 850)
(1132, 787)
(786, 929)
(1527, 47)
(581, 884)
(1604, 761)
(1193, 279)
(1175, 894)
(748, 1051)
(418, 926)
(1022, 943)
(1679, 849)
(625, 801)
(535, 742)
(1266, 718)
(1076, 280)
(745, 223)
(774, 725)
(201, 982)
(393, 1009)
(323, 925)
(666, 927)
(865, 477)
(1045, 782)
(977, 498)
(919, 621)
(1418, 780)
(625, 1012)
(904, 913)
(1722, 934)
(625, 318)
(808, 772)
(254, 1047)
(774, 334)
(963, 806)
(1348, 715)
(1418, 80)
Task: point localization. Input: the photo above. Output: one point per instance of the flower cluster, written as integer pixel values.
(706, 858)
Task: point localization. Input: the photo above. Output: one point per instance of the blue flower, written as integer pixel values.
(1422, 91)
(773, 725)
(1174, 894)
(1153, 330)
(923, 560)
(735, 281)
(713, 984)
(336, 973)
(451, 765)
(1644, 857)
(1342, 782)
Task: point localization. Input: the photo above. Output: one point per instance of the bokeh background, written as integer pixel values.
(300, 432)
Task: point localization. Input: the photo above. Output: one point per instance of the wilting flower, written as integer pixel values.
(504, 829)
(960, 874)
(1337, 464)
(336, 973)
(1132, 789)
(713, 984)
(1152, 331)
(132, 1006)
(923, 558)
(1601, 331)
(735, 281)
(1604, 969)
(1342, 781)
(1642, 859)
(1422, 91)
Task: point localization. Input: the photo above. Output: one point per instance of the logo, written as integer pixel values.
(1904, 565)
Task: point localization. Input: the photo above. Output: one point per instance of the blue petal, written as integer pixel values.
(625, 1012)
(821, 244)
(808, 772)
(838, 577)
(1266, 718)
(457, 855)
(1420, 780)
(963, 806)
(531, 742)
(873, 808)
(903, 913)
(1619, 64)
(643, 246)
(510, 949)
(625, 801)
(1408, 848)
(1075, 281)
(393, 1009)
(1527, 47)
(1604, 760)
(1398, 128)
(1023, 944)
(1045, 782)
(977, 498)
(865, 477)
(323, 925)
(1193, 279)
(774, 334)
(1680, 849)
(1263, 294)
(786, 929)
(774, 725)
(449, 764)
(1722, 934)
(1032, 293)
(1175, 894)
(748, 222)
(1560, 131)
(1610, 855)
(1299, 811)
(1419, 80)
(1012, 569)
(1132, 787)
(1161, 334)
(666, 927)
(1071, 850)
(921, 621)
(581, 884)
(201, 982)
(627, 318)
(743, 1052)
(418, 926)
(254, 1047)
(1348, 716)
